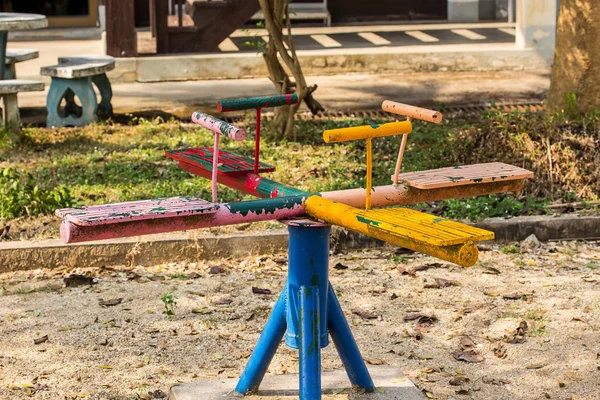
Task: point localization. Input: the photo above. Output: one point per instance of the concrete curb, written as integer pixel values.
(26, 255)
(407, 59)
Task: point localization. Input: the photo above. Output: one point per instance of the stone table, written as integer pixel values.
(16, 22)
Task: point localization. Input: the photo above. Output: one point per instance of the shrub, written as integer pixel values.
(20, 196)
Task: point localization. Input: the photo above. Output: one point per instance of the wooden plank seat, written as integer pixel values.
(14, 56)
(76, 76)
(230, 164)
(463, 175)
(137, 210)
(8, 91)
(418, 231)
(423, 227)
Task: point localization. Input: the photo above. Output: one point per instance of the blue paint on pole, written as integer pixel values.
(310, 348)
(265, 349)
(309, 308)
(346, 346)
(308, 266)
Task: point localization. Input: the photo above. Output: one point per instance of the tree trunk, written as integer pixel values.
(576, 70)
(276, 12)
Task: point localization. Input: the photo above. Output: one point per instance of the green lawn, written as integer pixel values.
(112, 162)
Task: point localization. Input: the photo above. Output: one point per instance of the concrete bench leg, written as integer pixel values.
(82, 88)
(105, 109)
(10, 72)
(10, 116)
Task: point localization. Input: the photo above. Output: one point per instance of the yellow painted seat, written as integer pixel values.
(424, 227)
(425, 233)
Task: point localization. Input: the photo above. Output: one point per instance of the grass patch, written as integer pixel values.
(592, 265)
(513, 249)
(110, 162)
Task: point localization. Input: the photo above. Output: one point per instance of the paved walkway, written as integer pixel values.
(350, 91)
(342, 39)
(356, 37)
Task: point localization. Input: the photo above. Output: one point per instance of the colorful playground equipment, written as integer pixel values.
(308, 311)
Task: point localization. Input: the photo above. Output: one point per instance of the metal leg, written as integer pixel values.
(265, 349)
(346, 346)
(308, 308)
(310, 347)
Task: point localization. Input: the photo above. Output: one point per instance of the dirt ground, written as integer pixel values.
(530, 319)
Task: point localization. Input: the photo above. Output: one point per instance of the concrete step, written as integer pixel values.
(389, 381)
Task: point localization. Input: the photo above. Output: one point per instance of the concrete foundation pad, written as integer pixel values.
(391, 384)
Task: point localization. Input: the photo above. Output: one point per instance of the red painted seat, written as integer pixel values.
(230, 164)
(137, 210)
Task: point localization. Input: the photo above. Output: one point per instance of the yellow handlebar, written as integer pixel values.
(367, 132)
(412, 111)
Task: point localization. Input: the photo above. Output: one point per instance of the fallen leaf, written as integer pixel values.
(470, 357)
(364, 314)
(105, 367)
(216, 270)
(518, 336)
(463, 392)
(500, 350)
(535, 366)
(156, 278)
(110, 303)
(221, 300)
(422, 318)
(441, 283)
(40, 340)
(202, 311)
(459, 380)
(340, 266)
(491, 270)
(514, 296)
(75, 280)
(159, 394)
(256, 290)
(374, 361)
(496, 381)
(466, 343)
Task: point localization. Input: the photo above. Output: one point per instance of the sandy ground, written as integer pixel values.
(133, 350)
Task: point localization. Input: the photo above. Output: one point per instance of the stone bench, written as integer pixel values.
(14, 56)
(76, 76)
(8, 90)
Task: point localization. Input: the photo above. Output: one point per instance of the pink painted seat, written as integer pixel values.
(137, 210)
(463, 175)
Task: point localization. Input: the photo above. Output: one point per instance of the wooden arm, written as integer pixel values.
(256, 102)
(412, 111)
(218, 127)
(367, 132)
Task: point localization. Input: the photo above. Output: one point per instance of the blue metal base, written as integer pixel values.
(306, 312)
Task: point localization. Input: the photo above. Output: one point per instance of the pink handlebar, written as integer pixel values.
(217, 126)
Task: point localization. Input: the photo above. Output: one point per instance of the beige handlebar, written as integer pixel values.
(412, 111)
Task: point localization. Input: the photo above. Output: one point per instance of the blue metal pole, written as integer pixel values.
(265, 349)
(308, 266)
(346, 346)
(310, 349)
